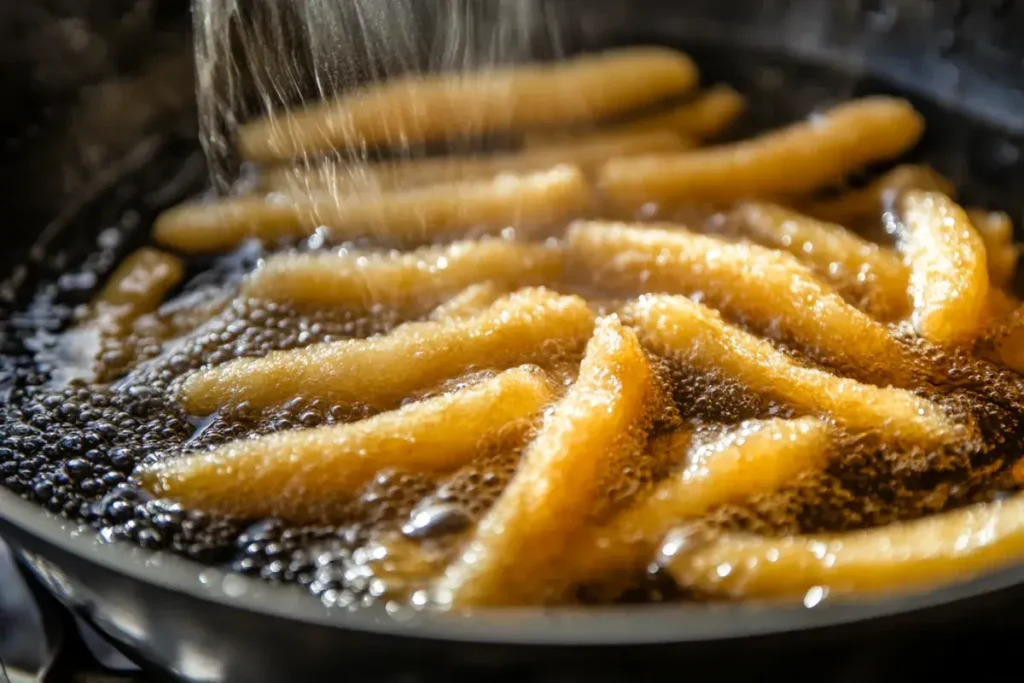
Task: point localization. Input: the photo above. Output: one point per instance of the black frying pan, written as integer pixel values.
(956, 60)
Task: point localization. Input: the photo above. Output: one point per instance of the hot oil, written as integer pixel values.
(72, 450)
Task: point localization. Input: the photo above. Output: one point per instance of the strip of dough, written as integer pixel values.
(794, 160)
(913, 556)
(996, 230)
(693, 334)
(756, 457)
(469, 302)
(405, 218)
(868, 203)
(709, 114)
(409, 282)
(306, 475)
(527, 326)
(863, 270)
(1004, 339)
(585, 153)
(949, 283)
(768, 288)
(430, 108)
(515, 556)
(136, 287)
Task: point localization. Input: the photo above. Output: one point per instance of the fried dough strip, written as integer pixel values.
(469, 302)
(711, 112)
(996, 230)
(515, 556)
(858, 207)
(693, 334)
(868, 203)
(305, 475)
(1004, 340)
(136, 287)
(757, 457)
(861, 269)
(585, 153)
(766, 287)
(413, 217)
(409, 282)
(793, 160)
(949, 283)
(918, 555)
(431, 108)
(524, 327)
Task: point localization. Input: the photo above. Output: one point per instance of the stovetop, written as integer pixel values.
(62, 649)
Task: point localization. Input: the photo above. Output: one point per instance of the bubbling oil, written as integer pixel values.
(72, 447)
(72, 450)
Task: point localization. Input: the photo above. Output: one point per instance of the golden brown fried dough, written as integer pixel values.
(408, 282)
(793, 160)
(949, 283)
(865, 272)
(409, 218)
(138, 286)
(756, 457)
(996, 230)
(710, 113)
(586, 153)
(431, 108)
(306, 475)
(917, 555)
(515, 556)
(767, 288)
(868, 203)
(527, 326)
(695, 335)
(1003, 341)
(469, 302)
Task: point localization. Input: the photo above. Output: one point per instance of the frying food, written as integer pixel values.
(138, 286)
(468, 302)
(515, 556)
(524, 327)
(404, 281)
(766, 288)
(690, 333)
(584, 89)
(300, 475)
(586, 153)
(757, 457)
(864, 272)
(795, 160)
(403, 218)
(709, 114)
(948, 268)
(578, 356)
(856, 207)
(909, 556)
(996, 230)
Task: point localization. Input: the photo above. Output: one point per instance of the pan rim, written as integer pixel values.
(528, 627)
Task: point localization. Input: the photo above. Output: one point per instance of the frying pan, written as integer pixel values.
(77, 164)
